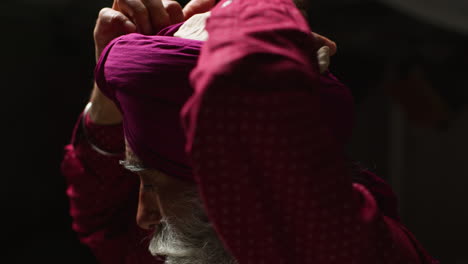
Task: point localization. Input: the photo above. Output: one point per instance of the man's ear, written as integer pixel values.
(197, 7)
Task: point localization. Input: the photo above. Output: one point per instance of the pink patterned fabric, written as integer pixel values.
(265, 146)
(269, 166)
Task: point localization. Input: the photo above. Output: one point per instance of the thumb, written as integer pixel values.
(197, 6)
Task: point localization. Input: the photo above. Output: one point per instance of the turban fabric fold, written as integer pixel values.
(148, 79)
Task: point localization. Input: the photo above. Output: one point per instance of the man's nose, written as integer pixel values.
(149, 213)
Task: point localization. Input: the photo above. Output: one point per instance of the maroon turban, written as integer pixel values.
(148, 78)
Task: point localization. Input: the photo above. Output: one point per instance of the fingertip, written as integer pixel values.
(197, 6)
(174, 10)
(187, 12)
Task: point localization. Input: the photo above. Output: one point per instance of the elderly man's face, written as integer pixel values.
(171, 207)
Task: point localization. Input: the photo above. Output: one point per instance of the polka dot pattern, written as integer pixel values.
(295, 206)
(274, 181)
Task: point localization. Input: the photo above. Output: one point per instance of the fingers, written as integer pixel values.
(137, 12)
(174, 10)
(109, 25)
(150, 16)
(112, 21)
(323, 58)
(158, 16)
(197, 7)
(324, 41)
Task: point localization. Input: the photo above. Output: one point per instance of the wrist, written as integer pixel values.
(102, 111)
(106, 140)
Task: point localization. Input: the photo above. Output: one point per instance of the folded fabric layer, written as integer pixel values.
(147, 77)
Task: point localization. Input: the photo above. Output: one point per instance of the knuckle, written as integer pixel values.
(114, 17)
(103, 11)
(102, 15)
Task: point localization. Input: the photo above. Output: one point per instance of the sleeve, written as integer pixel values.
(103, 196)
(273, 180)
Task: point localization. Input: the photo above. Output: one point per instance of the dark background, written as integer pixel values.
(47, 76)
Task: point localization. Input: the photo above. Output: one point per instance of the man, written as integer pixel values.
(262, 177)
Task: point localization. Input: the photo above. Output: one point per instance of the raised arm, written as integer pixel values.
(268, 161)
(103, 196)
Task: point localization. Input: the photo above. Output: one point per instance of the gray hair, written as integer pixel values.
(190, 239)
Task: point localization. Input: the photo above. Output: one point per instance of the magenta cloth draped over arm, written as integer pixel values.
(269, 166)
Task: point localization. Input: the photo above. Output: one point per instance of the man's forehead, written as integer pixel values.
(134, 164)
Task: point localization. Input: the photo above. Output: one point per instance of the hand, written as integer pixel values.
(150, 16)
(324, 41)
(127, 16)
(110, 24)
(326, 50)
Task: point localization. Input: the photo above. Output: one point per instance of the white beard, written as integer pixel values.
(191, 240)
